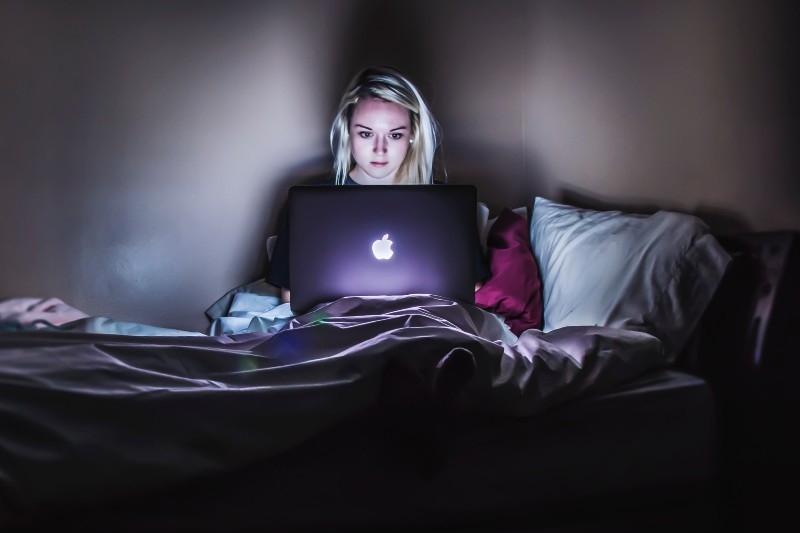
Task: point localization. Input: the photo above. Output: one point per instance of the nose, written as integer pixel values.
(380, 145)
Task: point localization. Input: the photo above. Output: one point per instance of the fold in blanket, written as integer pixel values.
(86, 416)
(38, 311)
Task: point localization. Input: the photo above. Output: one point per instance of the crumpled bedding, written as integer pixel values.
(86, 416)
(37, 312)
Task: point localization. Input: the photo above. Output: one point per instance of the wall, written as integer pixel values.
(144, 146)
(684, 105)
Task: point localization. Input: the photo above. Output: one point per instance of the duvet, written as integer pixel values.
(86, 415)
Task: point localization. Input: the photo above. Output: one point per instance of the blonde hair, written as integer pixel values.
(390, 85)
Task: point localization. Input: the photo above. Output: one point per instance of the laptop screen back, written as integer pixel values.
(363, 240)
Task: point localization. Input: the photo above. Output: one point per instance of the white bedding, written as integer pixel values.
(85, 415)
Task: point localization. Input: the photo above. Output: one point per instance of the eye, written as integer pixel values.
(365, 134)
(396, 136)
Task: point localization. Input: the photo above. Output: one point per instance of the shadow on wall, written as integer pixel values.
(720, 221)
(784, 43)
(387, 33)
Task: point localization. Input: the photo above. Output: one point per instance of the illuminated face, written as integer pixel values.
(379, 138)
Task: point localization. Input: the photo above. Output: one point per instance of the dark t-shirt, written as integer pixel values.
(278, 269)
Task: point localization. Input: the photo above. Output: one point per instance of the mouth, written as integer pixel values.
(379, 163)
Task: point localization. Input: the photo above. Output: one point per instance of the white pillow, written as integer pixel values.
(652, 273)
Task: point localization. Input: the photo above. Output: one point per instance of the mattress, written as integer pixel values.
(654, 431)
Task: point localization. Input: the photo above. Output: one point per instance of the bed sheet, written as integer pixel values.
(86, 416)
(647, 442)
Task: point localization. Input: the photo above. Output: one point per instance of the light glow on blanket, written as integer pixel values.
(247, 364)
(292, 345)
(317, 317)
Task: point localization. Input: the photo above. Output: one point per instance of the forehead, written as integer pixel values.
(374, 112)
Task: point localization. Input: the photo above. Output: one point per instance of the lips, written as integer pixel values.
(379, 163)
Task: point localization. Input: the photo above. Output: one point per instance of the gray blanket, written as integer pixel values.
(85, 416)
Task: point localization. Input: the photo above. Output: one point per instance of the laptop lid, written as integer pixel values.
(372, 240)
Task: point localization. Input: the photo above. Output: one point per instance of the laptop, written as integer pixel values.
(373, 240)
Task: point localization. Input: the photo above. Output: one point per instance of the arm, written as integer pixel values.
(278, 272)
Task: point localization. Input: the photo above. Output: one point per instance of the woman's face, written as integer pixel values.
(380, 132)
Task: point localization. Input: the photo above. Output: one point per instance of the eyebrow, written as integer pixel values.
(370, 129)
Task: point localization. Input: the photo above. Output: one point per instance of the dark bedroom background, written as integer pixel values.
(145, 146)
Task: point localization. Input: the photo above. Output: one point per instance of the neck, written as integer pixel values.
(365, 179)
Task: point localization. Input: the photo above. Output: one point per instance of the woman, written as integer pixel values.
(383, 134)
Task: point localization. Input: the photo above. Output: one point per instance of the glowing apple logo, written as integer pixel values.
(382, 248)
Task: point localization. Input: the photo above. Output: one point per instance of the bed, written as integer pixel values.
(600, 415)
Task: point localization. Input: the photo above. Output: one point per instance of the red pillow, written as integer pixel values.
(513, 290)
